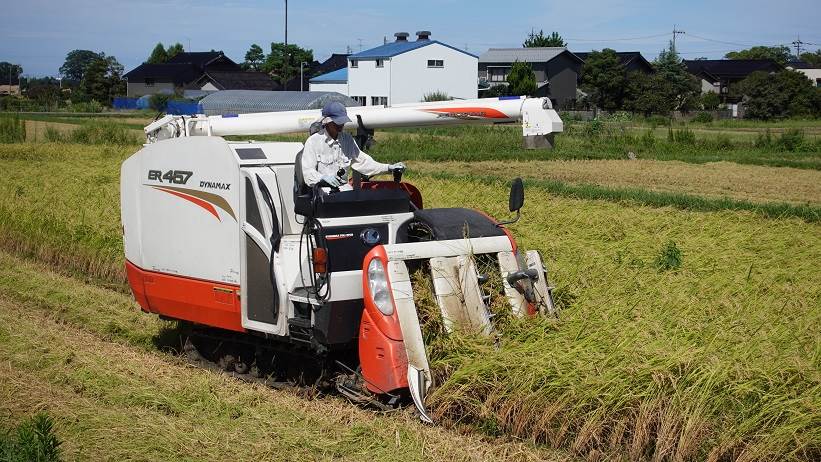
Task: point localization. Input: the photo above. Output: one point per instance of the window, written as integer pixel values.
(436, 63)
(359, 99)
(497, 74)
(379, 100)
(380, 63)
(149, 82)
(354, 63)
(818, 83)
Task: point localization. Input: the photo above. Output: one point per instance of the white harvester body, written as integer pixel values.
(215, 235)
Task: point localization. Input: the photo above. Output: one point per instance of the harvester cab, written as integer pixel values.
(226, 236)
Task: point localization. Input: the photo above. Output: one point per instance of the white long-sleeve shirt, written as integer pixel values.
(323, 155)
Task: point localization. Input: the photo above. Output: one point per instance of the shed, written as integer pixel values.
(250, 101)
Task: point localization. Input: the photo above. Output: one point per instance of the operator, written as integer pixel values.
(331, 151)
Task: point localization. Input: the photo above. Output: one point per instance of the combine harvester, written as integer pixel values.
(226, 237)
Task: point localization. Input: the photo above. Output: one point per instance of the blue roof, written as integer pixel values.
(339, 75)
(392, 49)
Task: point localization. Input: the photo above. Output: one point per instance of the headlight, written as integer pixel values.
(378, 284)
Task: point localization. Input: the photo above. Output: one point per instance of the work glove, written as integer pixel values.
(396, 166)
(332, 181)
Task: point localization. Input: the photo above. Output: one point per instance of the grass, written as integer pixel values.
(91, 360)
(33, 440)
(12, 129)
(716, 180)
(478, 143)
(707, 349)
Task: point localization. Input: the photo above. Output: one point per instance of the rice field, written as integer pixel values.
(715, 180)
(716, 357)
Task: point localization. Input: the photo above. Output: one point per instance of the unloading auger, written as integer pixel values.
(224, 236)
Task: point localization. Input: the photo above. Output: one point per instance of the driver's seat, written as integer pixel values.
(310, 202)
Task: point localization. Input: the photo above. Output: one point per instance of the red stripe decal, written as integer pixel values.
(465, 112)
(204, 204)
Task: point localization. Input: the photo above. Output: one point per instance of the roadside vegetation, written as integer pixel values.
(683, 334)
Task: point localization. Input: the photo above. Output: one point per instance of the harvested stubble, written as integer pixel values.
(86, 356)
(718, 359)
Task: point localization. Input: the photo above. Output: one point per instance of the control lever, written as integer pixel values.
(397, 174)
(340, 174)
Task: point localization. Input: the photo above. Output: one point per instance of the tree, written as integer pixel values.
(780, 54)
(684, 88)
(710, 101)
(102, 80)
(780, 94)
(76, 63)
(539, 40)
(812, 57)
(254, 58)
(521, 79)
(158, 55)
(281, 61)
(604, 79)
(10, 73)
(174, 50)
(647, 94)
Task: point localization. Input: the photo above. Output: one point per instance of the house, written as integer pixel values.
(556, 68)
(6, 89)
(633, 61)
(335, 62)
(813, 72)
(718, 74)
(332, 81)
(203, 71)
(403, 71)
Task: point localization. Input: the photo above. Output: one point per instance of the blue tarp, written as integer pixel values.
(122, 102)
(183, 108)
(143, 102)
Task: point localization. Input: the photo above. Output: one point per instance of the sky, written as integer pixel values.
(37, 34)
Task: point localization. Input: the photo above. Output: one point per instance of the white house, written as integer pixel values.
(404, 71)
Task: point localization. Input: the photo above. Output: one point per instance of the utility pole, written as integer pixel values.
(360, 44)
(797, 44)
(676, 32)
(287, 56)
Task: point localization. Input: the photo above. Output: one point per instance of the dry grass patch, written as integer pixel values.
(721, 179)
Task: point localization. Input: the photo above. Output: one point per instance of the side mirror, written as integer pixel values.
(517, 195)
(516, 201)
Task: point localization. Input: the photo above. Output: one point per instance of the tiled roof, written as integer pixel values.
(242, 80)
(392, 49)
(731, 68)
(528, 55)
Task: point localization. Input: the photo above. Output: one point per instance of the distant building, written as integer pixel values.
(813, 72)
(633, 61)
(332, 81)
(403, 71)
(718, 74)
(198, 71)
(9, 89)
(315, 68)
(556, 68)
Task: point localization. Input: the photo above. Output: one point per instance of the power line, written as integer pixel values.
(719, 41)
(619, 39)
